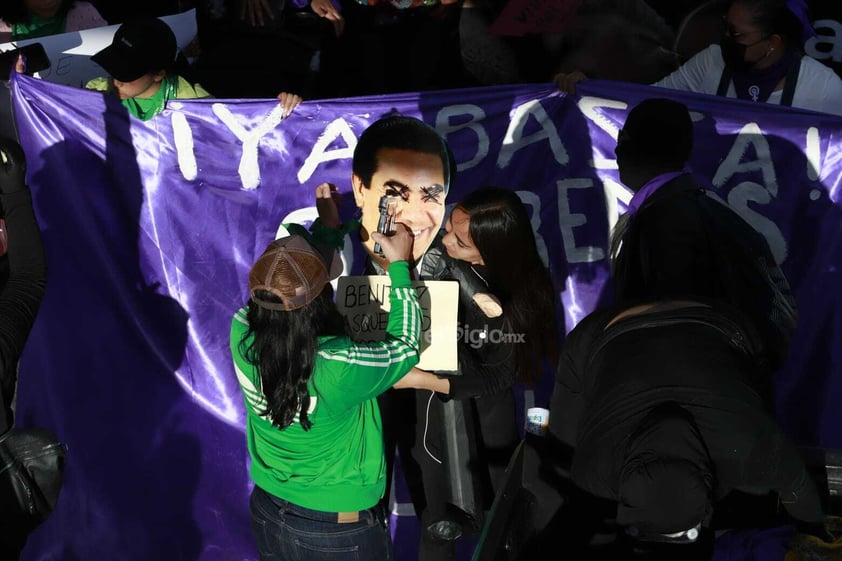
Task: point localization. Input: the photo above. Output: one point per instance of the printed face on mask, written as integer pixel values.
(742, 44)
(416, 179)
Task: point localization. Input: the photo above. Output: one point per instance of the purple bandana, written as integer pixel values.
(650, 187)
(800, 10)
(758, 85)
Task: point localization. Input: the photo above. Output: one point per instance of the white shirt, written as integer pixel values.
(818, 87)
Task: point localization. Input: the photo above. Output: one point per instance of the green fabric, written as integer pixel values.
(100, 84)
(186, 90)
(319, 234)
(333, 237)
(146, 108)
(38, 27)
(338, 465)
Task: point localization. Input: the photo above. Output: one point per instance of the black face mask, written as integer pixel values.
(734, 54)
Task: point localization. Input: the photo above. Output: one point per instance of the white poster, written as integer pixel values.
(70, 53)
(70, 61)
(364, 301)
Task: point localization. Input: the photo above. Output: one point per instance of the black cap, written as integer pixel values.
(139, 47)
(294, 271)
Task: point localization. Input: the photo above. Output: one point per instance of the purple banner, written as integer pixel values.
(150, 229)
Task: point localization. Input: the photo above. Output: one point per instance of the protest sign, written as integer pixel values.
(364, 301)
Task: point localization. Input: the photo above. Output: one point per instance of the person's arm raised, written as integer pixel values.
(289, 101)
(566, 82)
(396, 246)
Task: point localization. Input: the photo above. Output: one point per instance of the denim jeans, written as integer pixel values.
(288, 532)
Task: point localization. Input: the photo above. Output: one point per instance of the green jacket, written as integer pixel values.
(338, 465)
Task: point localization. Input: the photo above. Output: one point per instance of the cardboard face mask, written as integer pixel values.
(416, 181)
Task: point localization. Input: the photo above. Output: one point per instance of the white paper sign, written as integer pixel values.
(364, 301)
(70, 53)
(70, 61)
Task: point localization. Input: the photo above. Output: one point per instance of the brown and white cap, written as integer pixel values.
(295, 271)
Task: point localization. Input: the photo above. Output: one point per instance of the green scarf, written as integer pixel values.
(38, 27)
(145, 109)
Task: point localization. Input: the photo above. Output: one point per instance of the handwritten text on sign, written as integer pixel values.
(364, 301)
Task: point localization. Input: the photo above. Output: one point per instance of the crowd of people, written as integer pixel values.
(661, 405)
(759, 57)
(340, 48)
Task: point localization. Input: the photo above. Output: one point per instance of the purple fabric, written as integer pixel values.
(649, 188)
(800, 10)
(150, 228)
(753, 545)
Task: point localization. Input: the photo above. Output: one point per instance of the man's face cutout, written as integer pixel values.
(418, 180)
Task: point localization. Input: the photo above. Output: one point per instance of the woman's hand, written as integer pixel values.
(326, 194)
(326, 9)
(396, 246)
(488, 304)
(289, 101)
(567, 82)
(253, 11)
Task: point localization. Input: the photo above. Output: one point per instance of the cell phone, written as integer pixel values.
(386, 222)
(33, 54)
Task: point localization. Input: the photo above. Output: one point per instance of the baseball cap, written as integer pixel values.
(139, 47)
(293, 270)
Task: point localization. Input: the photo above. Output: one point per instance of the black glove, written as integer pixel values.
(12, 167)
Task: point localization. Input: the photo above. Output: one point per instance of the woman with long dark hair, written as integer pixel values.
(491, 232)
(312, 421)
(28, 19)
(508, 333)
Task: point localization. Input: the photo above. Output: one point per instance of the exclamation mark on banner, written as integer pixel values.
(813, 153)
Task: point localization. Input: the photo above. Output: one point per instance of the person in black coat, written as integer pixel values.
(23, 271)
(507, 333)
(23, 275)
(677, 240)
(659, 405)
(662, 403)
